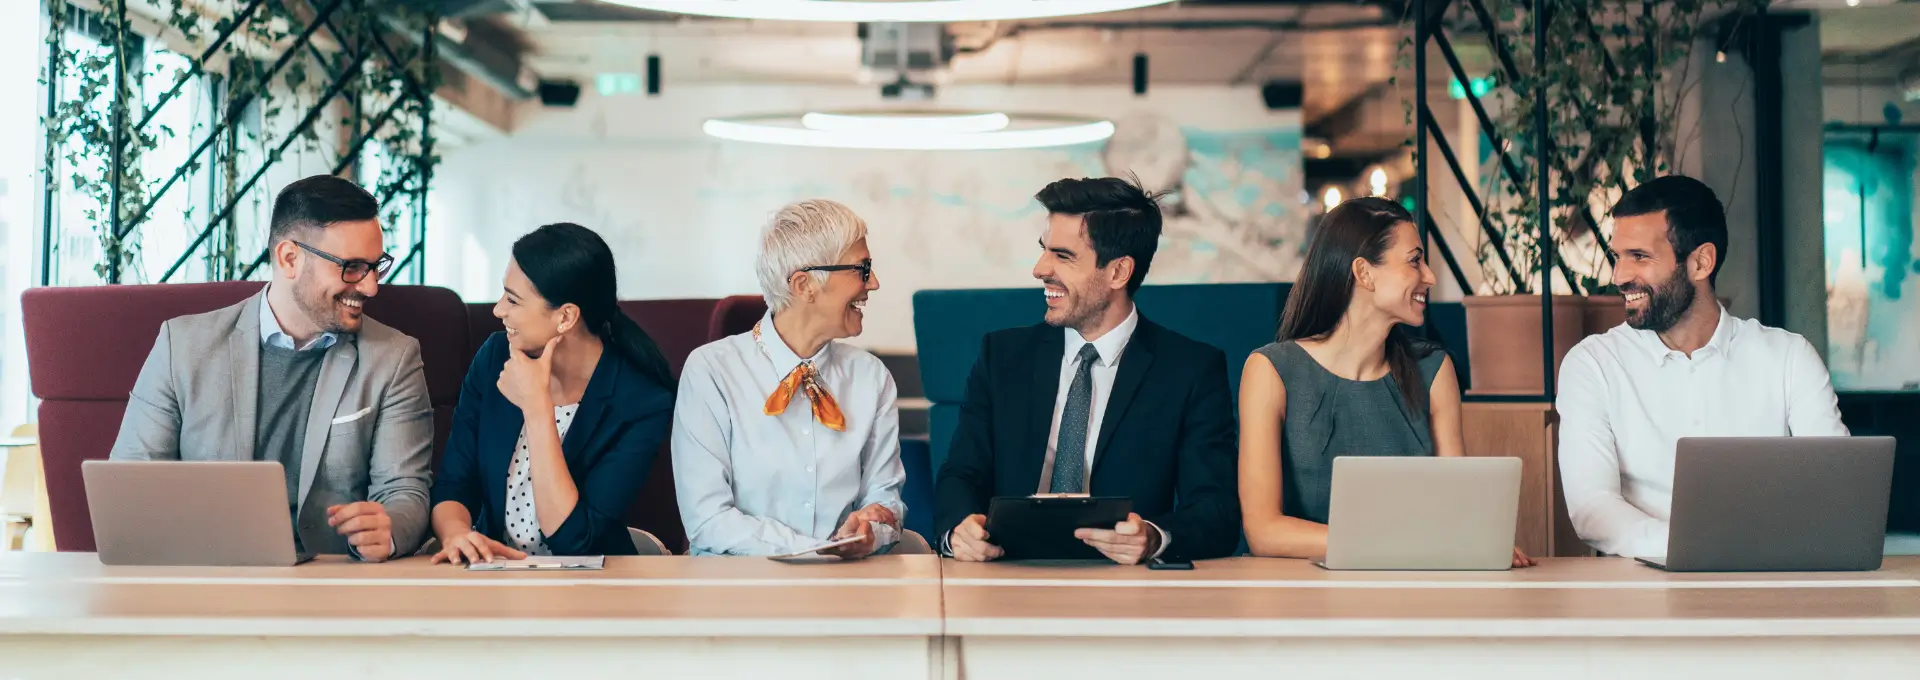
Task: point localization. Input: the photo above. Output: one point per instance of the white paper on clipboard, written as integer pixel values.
(592, 562)
(813, 554)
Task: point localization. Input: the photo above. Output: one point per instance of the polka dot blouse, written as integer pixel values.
(523, 523)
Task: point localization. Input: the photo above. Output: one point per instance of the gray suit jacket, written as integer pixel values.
(369, 432)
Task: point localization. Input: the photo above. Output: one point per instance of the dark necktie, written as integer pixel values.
(1070, 451)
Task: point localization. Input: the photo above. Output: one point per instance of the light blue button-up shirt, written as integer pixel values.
(272, 336)
(754, 484)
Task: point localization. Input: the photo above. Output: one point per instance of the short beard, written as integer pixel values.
(1665, 303)
(318, 308)
(1081, 316)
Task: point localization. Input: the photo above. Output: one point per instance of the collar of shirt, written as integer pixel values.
(271, 335)
(776, 350)
(1111, 345)
(1718, 345)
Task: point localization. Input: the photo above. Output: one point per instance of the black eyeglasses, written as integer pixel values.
(865, 268)
(352, 271)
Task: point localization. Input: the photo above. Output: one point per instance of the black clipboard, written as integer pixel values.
(1041, 527)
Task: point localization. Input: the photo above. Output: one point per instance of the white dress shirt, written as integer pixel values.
(1105, 369)
(1626, 399)
(754, 484)
(522, 518)
(1111, 347)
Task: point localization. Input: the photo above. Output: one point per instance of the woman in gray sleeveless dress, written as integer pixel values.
(1346, 377)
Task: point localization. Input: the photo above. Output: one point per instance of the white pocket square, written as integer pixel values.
(356, 415)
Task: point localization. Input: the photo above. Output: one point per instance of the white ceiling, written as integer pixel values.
(1870, 44)
(1847, 30)
(1334, 64)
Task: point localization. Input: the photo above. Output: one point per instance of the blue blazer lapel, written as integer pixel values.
(499, 434)
(593, 410)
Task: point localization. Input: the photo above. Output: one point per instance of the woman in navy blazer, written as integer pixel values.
(560, 416)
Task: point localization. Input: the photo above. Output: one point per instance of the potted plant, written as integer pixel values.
(1612, 92)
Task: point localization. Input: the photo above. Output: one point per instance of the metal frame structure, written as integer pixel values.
(125, 219)
(1428, 29)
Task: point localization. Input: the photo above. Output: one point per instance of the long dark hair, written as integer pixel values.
(568, 263)
(1359, 228)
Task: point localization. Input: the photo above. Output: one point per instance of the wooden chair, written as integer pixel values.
(911, 543)
(20, 492)
(646, 544)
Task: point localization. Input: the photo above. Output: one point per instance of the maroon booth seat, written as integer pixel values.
(438, 319)
(735, 315)
(85, 347)
(481, 325)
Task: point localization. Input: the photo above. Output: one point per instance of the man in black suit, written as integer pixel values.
(1097, 399)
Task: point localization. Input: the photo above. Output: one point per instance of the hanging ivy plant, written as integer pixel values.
(1614, 79)
(271, 87)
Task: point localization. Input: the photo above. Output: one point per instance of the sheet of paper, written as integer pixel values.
(532, 563)
(813, 554)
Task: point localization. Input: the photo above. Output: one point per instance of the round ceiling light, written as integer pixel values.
(888, 10)
(912, 130)
(913, 122)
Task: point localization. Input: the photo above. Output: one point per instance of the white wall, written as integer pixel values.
(1865, 103)
(20, 153)
(683, 211)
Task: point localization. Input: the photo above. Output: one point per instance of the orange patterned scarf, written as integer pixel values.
(805, 377)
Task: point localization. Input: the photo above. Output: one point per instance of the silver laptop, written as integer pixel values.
(190, 513)
(1778, 504)
(1408, 513)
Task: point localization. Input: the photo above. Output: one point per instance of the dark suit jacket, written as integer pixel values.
(1167, 439)
(623, 418)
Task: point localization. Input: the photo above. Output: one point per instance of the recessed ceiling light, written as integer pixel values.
(894, 10)
(912, 130)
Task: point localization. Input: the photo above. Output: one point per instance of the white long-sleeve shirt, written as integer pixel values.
(1625, 399)
(753, 484)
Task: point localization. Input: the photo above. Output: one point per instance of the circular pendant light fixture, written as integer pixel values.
(888, 10)
(912, 130)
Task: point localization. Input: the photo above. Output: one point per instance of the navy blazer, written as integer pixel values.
(1167, 441)
(623, 418)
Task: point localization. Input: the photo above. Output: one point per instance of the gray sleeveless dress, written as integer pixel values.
(1329, 416)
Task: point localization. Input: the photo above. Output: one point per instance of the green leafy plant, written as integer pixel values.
(1614, 78)
(276, 85)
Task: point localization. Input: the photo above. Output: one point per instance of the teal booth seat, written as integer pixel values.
(949, 325)
(1235, 317)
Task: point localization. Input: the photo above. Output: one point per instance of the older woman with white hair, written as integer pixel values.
(783, 439)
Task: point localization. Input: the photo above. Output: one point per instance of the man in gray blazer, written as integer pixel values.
(298, 376)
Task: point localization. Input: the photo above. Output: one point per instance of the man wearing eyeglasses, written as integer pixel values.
(299, 376)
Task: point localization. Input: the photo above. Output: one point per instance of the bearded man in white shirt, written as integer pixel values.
(1680, 367)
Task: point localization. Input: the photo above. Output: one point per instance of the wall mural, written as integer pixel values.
(1236, 210)
(683, 214)
(1873, 262)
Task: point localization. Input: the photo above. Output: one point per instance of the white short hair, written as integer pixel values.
(811, 233)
